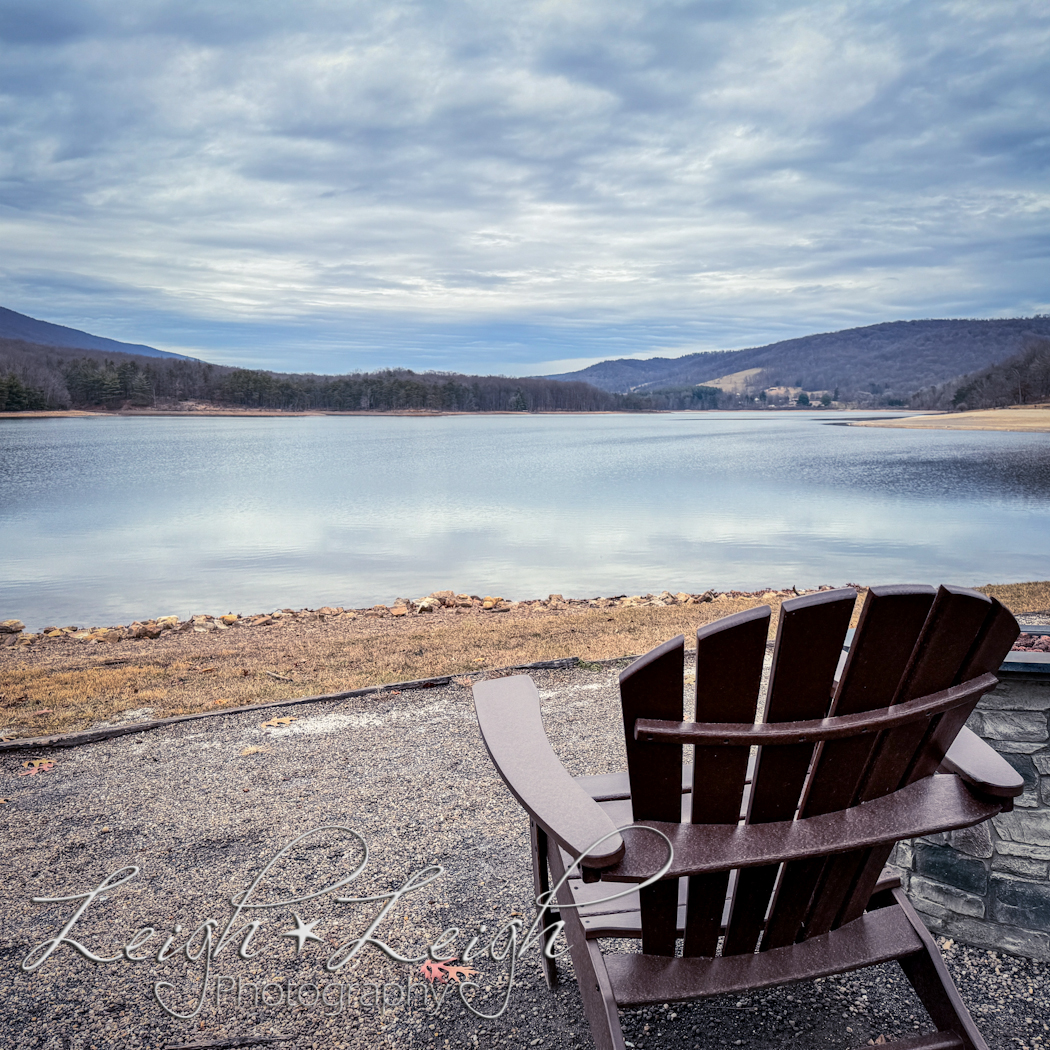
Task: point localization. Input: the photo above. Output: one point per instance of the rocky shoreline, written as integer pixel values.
(14, 633)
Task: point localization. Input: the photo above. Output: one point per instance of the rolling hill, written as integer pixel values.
(889, 360)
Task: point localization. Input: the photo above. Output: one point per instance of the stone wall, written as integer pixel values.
(989, 885)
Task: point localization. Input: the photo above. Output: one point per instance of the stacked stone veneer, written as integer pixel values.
(989, 885)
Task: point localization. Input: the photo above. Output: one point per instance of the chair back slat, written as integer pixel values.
(957, 622)
(994, 642)
(952, 626)
(996, 637)
(889, 626)
(729, 657)
(806, 654)
(654, 683)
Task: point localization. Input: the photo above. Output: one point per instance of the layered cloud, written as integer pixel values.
(492, 185)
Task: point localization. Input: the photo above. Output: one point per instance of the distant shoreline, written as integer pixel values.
(1015, 419)
(412, 412)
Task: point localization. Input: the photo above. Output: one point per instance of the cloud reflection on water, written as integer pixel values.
(106, 520)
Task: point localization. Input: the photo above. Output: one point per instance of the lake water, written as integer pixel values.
(106, 520)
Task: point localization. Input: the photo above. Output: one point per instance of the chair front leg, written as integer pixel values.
(541, 885)
(934, 985)
(592, 977)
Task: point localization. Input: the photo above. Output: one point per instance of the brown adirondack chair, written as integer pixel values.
(782, 825)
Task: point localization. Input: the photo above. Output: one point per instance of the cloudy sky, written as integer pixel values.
(514, 186)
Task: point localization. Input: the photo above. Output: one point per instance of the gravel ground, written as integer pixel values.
(202, 807)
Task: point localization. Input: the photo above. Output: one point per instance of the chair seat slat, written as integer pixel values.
(875, 937)
(610, 787)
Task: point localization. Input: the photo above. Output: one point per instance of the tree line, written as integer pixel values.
(38, 377)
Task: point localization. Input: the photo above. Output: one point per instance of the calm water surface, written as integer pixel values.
(105, 520)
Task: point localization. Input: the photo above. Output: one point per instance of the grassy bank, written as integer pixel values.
(71, 682)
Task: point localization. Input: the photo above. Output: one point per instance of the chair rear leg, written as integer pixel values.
(541, 884)
(934, 985)
(599, 1004)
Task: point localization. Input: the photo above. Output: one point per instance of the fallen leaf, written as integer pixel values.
(479, 660)
(245, 672)
(37, 765)
(275, 722)
(442, 972)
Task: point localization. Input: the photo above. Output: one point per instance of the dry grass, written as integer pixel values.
(67, 685)
(1021, 597)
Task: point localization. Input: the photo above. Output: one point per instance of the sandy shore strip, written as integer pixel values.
(73, 678)
(200, 808)
(1018, 418)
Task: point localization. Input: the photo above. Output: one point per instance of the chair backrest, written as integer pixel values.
(910, 642)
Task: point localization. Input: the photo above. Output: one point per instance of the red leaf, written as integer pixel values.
(442, 972)
(36, 765)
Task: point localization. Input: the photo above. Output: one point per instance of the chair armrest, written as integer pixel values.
(981, 767)
(508, 711)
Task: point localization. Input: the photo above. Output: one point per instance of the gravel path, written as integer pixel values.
(202, 807)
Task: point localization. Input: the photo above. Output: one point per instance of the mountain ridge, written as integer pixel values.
(14, 325)
(889, 359)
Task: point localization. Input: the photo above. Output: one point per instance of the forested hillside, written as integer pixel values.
(1023, 379)
(879, 364)
(40, 377)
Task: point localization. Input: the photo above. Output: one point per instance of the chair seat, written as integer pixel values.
(876, 937)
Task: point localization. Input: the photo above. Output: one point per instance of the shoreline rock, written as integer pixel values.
(13, 632)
